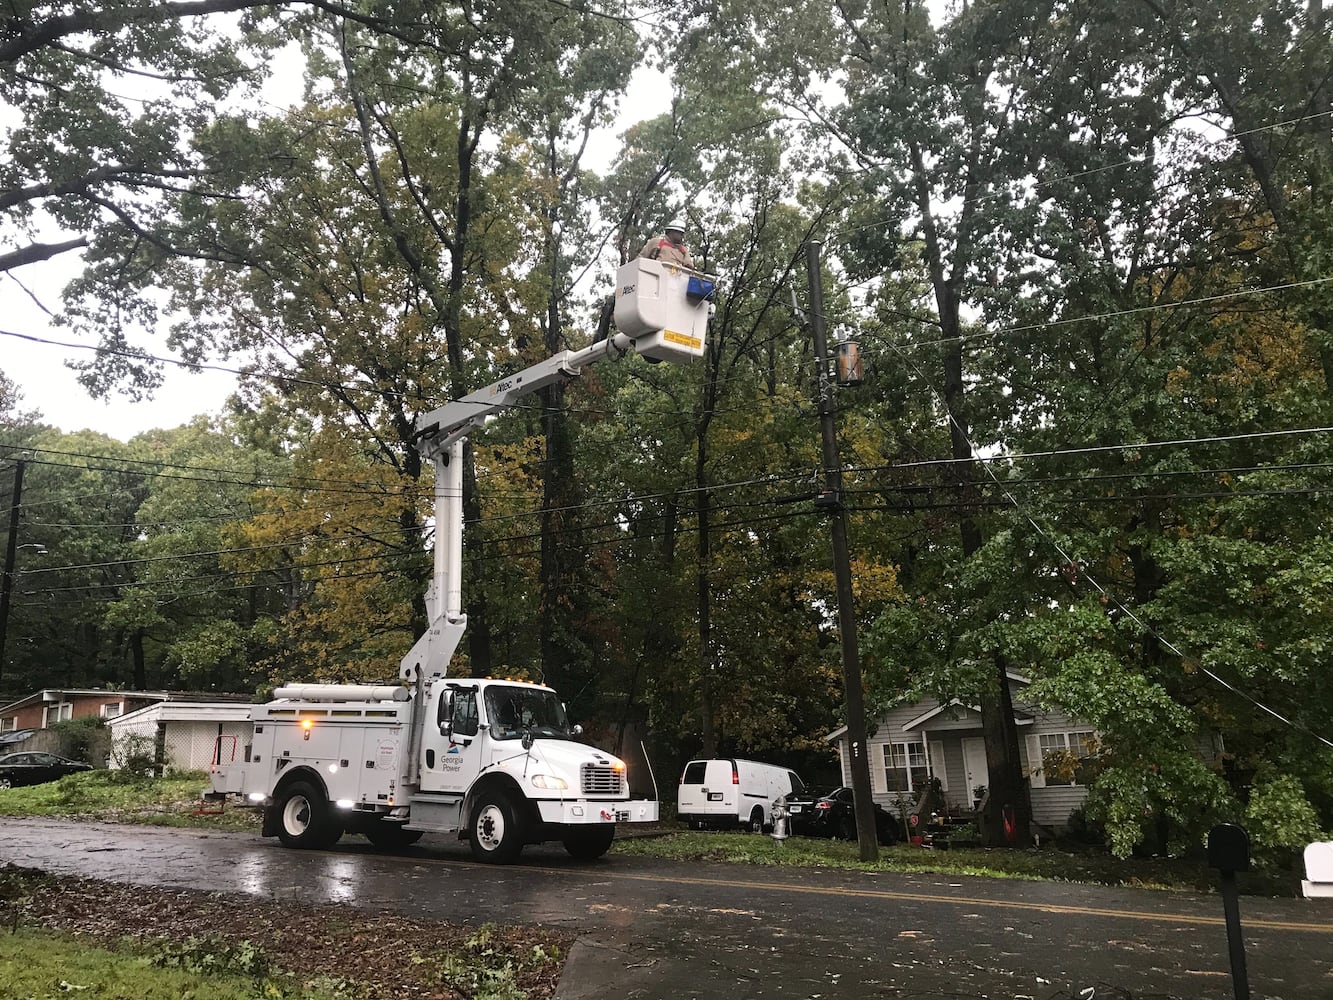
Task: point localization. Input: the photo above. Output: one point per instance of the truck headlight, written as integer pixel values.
(549, 782)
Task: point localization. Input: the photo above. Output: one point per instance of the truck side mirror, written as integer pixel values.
(445, 715)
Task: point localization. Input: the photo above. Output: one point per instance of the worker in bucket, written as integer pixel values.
(670, 248)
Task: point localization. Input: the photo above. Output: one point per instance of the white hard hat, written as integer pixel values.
(678, 224)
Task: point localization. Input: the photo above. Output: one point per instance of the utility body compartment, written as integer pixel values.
(728, 792)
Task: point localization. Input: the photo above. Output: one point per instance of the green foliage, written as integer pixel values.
(210, 955)
(1281, 821)
(487, 968)
(111, 796)
(422, 222)
(45, 966)
(134, 756)
(77, 735)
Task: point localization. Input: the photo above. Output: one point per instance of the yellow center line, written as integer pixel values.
(888, 894)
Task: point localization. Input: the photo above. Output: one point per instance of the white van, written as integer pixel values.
(727, 793)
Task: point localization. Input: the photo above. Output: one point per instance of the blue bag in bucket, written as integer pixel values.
(700, 288)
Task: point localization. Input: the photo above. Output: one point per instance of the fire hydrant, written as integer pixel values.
(780, 814)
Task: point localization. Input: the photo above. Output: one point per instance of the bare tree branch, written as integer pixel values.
(35, 252)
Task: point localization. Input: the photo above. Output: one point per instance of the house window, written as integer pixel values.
(58, 713)
(905, 767)
(113, 710)
(9, 725)
(1062, 755)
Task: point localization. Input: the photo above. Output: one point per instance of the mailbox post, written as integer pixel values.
(1229, 852)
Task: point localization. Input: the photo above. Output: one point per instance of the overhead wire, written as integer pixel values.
(1091, 579)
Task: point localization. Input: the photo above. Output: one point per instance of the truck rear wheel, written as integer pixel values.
(391, 836)
(496, 832)
(588, 843)
(305, 819)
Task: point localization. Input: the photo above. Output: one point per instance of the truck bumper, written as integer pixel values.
(586, 812)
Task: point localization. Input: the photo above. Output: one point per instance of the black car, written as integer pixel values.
(34, 768)
(834, 815)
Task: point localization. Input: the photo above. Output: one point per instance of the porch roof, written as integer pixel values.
(956, 714)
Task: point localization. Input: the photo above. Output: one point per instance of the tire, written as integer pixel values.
(495, 831)
(391, 836)
(305, 820)
(847, 828)
(590, 842)
(6, 783)
(756, 824)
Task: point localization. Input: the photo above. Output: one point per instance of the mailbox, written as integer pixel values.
(1228, 848)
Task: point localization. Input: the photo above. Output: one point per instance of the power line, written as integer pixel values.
(1092, 580)
(987, 460)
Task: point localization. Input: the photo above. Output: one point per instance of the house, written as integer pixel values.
(184, 735)
(46, 707)
(926, 739)
(26, 724)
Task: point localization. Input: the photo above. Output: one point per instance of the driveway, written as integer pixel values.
(653, 929)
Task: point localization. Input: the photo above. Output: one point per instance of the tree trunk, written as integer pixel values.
(704, 597)
(140, 668)
(1008, 811)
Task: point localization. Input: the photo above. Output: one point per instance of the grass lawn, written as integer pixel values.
(111, 797)
(42, 965)
(1047, 864)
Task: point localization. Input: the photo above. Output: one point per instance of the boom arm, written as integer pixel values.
(440, 439)
(661, 310)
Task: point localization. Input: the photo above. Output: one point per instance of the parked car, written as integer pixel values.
(35, 768)
(723, 793)
(834, 815)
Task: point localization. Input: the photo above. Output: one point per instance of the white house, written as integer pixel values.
(185, 735)
(926, 739)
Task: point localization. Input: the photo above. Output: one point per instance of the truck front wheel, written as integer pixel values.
(588, 843)
(495, 833)
(305, 819)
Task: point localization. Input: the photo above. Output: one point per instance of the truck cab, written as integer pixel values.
(507, 754)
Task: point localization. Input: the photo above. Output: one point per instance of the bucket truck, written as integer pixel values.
(494, 761)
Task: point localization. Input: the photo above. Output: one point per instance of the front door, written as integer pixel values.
(974, 763)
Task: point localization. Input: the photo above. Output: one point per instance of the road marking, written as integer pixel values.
(883, 894)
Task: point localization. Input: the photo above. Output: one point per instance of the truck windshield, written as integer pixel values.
(513, 711)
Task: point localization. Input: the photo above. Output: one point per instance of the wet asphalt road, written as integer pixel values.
(652, 929)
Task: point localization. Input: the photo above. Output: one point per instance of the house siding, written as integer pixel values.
(37, 712)
(1051, 805)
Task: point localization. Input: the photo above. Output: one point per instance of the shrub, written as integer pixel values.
(134, 756)
(1280, 821)
(77, 735)
(1080, 831)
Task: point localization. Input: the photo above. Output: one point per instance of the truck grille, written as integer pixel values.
(602, 779)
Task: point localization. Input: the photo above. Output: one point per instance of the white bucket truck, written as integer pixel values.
(494, 761)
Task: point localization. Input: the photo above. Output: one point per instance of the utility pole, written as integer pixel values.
(830, 502)
(11, 549)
